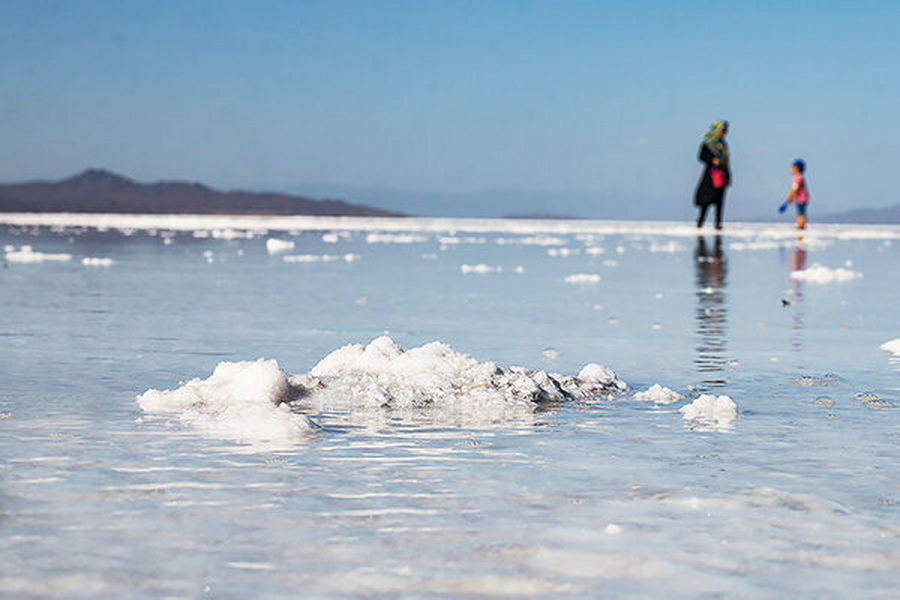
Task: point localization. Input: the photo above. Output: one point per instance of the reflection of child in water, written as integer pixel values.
(799, 195)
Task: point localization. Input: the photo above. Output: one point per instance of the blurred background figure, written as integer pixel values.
(716, 175)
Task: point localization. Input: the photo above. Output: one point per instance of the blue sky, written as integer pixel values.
(589, 108)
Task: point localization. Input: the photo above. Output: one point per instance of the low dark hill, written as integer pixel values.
(99, 191)
(865, 216)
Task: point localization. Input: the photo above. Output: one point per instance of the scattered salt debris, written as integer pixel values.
(873, 401)
(821, 274)
(97, 261)
(26, 254)
(879, 404)
(455, 240)
(892, 346)
(658, 395)
(710, 409)
(583, 278)
(333, 237)
(276, 246)
(826, 380)
(563, 252)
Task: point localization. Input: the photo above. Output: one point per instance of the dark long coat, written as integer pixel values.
(706, 193)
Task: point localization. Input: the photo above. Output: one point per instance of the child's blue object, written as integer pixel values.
(783, 207)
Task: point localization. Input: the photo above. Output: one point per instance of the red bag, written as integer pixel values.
(718, 177)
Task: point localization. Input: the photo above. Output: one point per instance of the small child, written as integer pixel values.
(799, 195)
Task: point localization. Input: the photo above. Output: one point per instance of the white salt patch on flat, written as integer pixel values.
(395, 238)
(241, 401)
(709, 409)
(583, 278)
(232, 234)
(480, 269)
(892, 346)
(658, 395)
(821, 274)
(669, 247)
(252, 566)
(310, 258)
(534, 240)
(97, 261)
(333, 237)
(26, 254)
(276, 246)
(455, 240)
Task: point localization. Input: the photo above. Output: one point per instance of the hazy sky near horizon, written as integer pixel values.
(577, 97)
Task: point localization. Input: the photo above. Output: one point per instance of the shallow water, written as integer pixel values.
(796, 497)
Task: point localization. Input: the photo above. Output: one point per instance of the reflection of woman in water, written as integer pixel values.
(711, 312)
(716, 174)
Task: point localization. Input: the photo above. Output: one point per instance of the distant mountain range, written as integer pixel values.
(865, 216)
(100, 191)
(889, 215)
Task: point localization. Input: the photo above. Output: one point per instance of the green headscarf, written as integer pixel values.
(715, 141)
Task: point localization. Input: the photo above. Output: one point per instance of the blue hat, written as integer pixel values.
(801, 166)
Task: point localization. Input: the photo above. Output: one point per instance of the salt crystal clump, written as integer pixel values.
(583, 278)
(274, 246)
(243, 401)
(892, 346)
(658, 395)
(480, 269)
(594, 381)
(90, 261)
(716, 410)
(821, 274)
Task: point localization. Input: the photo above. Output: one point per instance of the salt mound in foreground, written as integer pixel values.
(892, 346)
(244, 401)
(257, 402)
(382, 375)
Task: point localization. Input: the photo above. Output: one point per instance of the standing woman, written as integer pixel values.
(717, 174)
